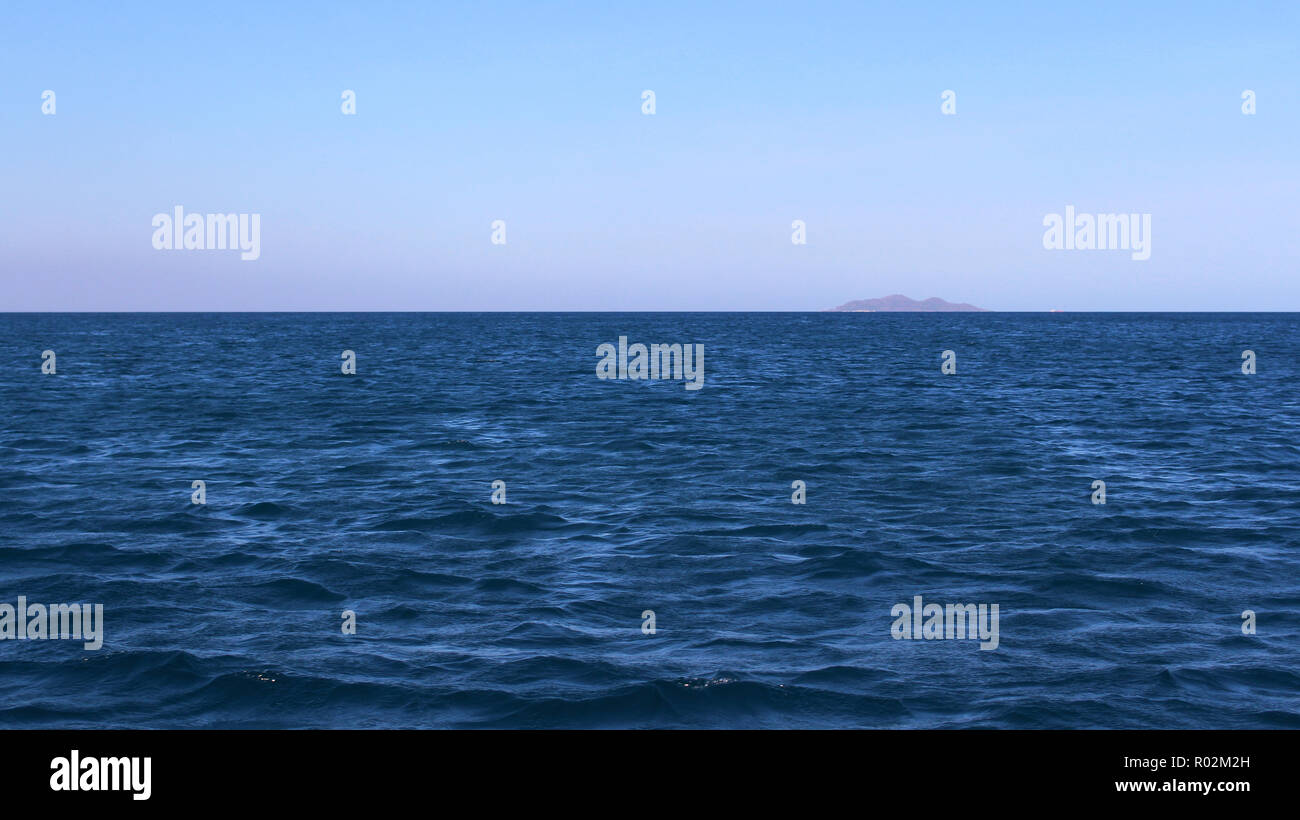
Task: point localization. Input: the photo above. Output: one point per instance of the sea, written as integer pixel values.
(475, 529)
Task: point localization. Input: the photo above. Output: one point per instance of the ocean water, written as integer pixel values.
(372, 493)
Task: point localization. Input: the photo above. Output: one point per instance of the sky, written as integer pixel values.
(531, 113)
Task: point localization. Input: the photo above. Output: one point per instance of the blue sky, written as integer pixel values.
(765, 113)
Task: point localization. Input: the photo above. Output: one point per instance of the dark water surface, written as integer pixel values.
(371, 493)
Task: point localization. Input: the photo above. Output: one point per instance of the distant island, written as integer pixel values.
(901, 304)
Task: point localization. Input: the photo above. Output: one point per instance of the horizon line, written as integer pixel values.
(587, 310)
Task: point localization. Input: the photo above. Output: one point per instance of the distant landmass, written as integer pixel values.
(900, 304)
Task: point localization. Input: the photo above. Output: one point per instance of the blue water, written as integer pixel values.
(371, 492)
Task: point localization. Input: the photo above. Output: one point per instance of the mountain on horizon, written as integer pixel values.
(898, 303)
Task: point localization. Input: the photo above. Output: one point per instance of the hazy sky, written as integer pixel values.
(532, 113)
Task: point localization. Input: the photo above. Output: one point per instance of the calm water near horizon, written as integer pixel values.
(371, 493)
